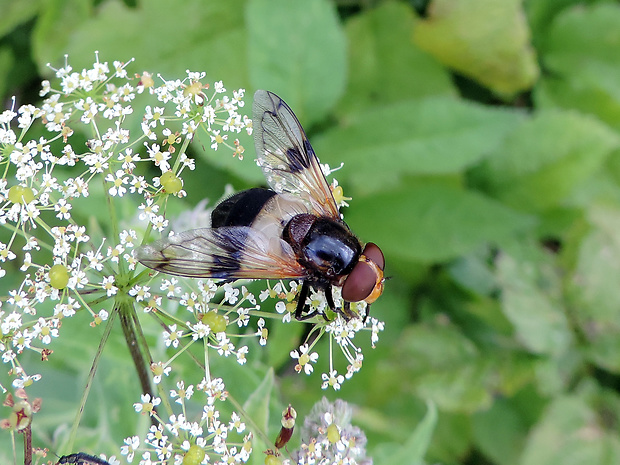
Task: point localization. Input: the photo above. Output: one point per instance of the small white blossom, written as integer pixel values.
(118, 180)
(171, 338)
(304, 359)
(332, 379)
(63, 208)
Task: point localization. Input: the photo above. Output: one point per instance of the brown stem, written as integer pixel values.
(128, 323)
(27, 445)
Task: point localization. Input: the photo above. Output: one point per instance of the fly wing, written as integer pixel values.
(236, 252)
(286, 156)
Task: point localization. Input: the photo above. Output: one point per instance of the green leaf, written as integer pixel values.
(283, 338)
(452, 438)
(531, 301)
(223, 158)
(16, 13)
(570, 433)
(384, 64)
(213, 39)
(257, 404)
(432, 223)
(382, 145)
(541, 14)
(593, 89)
(256, 407)
(54, 26)
(165, 37)
(444, 367)
(546, 157)
(297, 50)
(582, 53)
(487, 40)
(581, 35)
(594, 287)
(500, 432)
(6, 64)
(474, 274)
(414, 449)
(457, 388)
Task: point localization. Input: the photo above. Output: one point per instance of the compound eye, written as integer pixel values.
(365, 282)
(373, 252)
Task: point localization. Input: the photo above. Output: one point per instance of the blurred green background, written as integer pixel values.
(481, 146)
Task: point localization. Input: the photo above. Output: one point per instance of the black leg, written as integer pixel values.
(301, 303)
(330, 298)
(345, 310)
(347, 313)
(301, 300)
(367, 313)
(307, 316)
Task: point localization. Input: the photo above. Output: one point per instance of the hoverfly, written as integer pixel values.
(81, 459)
(291, 231)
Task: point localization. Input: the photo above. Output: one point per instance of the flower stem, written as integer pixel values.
(91, 375)
(129, 330)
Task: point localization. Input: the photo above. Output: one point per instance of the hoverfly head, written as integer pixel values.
(366, 280)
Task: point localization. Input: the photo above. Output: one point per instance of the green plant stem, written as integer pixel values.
(122, 268)
(141, 339)
(14, 447)
(91, 375)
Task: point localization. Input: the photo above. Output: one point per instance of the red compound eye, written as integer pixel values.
(365, 282)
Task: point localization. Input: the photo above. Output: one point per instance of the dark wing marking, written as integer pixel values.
(228, 252)
(286, 156)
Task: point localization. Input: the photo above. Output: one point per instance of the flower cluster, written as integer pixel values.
(328, 436)
(48, 183)
(186, 441)
(100, 156)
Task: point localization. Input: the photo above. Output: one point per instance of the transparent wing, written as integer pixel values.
(228, 253)
(286, 156)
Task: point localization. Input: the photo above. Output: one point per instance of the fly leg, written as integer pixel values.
(345, 310)
(301, 302)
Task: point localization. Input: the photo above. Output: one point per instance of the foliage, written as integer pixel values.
(481, 149)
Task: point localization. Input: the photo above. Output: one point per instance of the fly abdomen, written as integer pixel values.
(241, 209)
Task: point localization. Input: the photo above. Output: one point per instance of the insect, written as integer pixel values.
(291, 231)
(81, 459)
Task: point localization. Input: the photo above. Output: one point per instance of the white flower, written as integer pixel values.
(108, 285)
(262, 332)
(146, 406)
(172, 337)
(118, 181)
(231, 294)
(332, 379)
(140, 292)
(129, 159)
(159, 222)
(170, 286)
(217, 139)
(241, 355)
(304, 359)
(200, 330)
(129, 449)
(63, 208)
